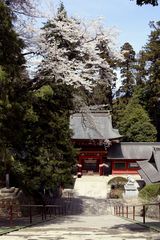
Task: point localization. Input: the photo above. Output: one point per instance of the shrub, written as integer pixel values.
(150, 192)
(117, 181)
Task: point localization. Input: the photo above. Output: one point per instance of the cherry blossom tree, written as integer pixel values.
(71, 52)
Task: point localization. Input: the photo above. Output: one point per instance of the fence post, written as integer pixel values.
(119, 211)
(127, 211)
(116, 210)
(45, 212)
(144, 214)
(159, 210)
(42, 213)
(30, 214)
(133, 212)
(123, 211)
(10, 215)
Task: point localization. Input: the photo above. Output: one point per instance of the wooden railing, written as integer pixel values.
(141, 212)
(12, 212)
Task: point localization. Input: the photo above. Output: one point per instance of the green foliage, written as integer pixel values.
(127, 68)
(135, 124)
(45, 157)
(142, 2)
(118, 181)
(150, 64)
(150, 192)
(35, 143)
(10, 44)
(117, 187)
(45, 92)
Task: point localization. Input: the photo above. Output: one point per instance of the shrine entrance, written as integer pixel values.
(91, 162)
(90, 165)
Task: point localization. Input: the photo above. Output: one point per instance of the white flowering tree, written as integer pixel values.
(75, 53)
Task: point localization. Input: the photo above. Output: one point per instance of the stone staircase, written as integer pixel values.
(92, 187)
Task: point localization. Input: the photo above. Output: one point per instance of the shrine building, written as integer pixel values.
(101, 149)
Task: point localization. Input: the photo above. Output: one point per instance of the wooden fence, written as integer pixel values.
(12, 213)
(142, 213)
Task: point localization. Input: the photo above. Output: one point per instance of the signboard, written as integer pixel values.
(133, 165)
(91, 160)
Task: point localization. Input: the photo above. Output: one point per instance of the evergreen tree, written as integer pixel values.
(151, 93)
(141, 71)
(35, 145)
(142, 2)
(135, 124)
(45, 157)
(127, 70)
(11, 84)
(11, 58)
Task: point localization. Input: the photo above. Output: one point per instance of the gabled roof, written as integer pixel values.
(150, 169)
(156, 153)
(144, 177)
(131, 150)
(95, 125)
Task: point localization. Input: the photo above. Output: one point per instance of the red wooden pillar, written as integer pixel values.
(101, 166)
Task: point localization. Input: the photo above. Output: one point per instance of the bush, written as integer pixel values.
(117, 187)
(150, 192)
(118, 181)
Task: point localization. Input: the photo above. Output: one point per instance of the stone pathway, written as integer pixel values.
(80, 227)
(88, 218)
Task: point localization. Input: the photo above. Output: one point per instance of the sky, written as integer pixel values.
(132, 21)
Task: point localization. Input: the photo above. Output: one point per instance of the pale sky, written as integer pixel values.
(131, 20)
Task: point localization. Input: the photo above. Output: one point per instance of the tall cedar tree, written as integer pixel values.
(34, 122)
(11, 67)
(141, 71)
(127, 70)
(11, 45)
(151, 92)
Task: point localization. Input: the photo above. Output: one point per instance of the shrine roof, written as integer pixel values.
(150, 169)
(95, 125)
(132, 150)
(144, 176)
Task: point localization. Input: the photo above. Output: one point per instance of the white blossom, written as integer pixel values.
(71, 52)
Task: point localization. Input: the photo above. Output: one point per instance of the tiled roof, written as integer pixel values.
(97, 125)
(144, 176)
(131, 150)
(150, 169)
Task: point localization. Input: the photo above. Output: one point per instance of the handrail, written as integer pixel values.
(48, 209)
(124, 210)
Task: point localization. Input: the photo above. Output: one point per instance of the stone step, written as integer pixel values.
(92, 186)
